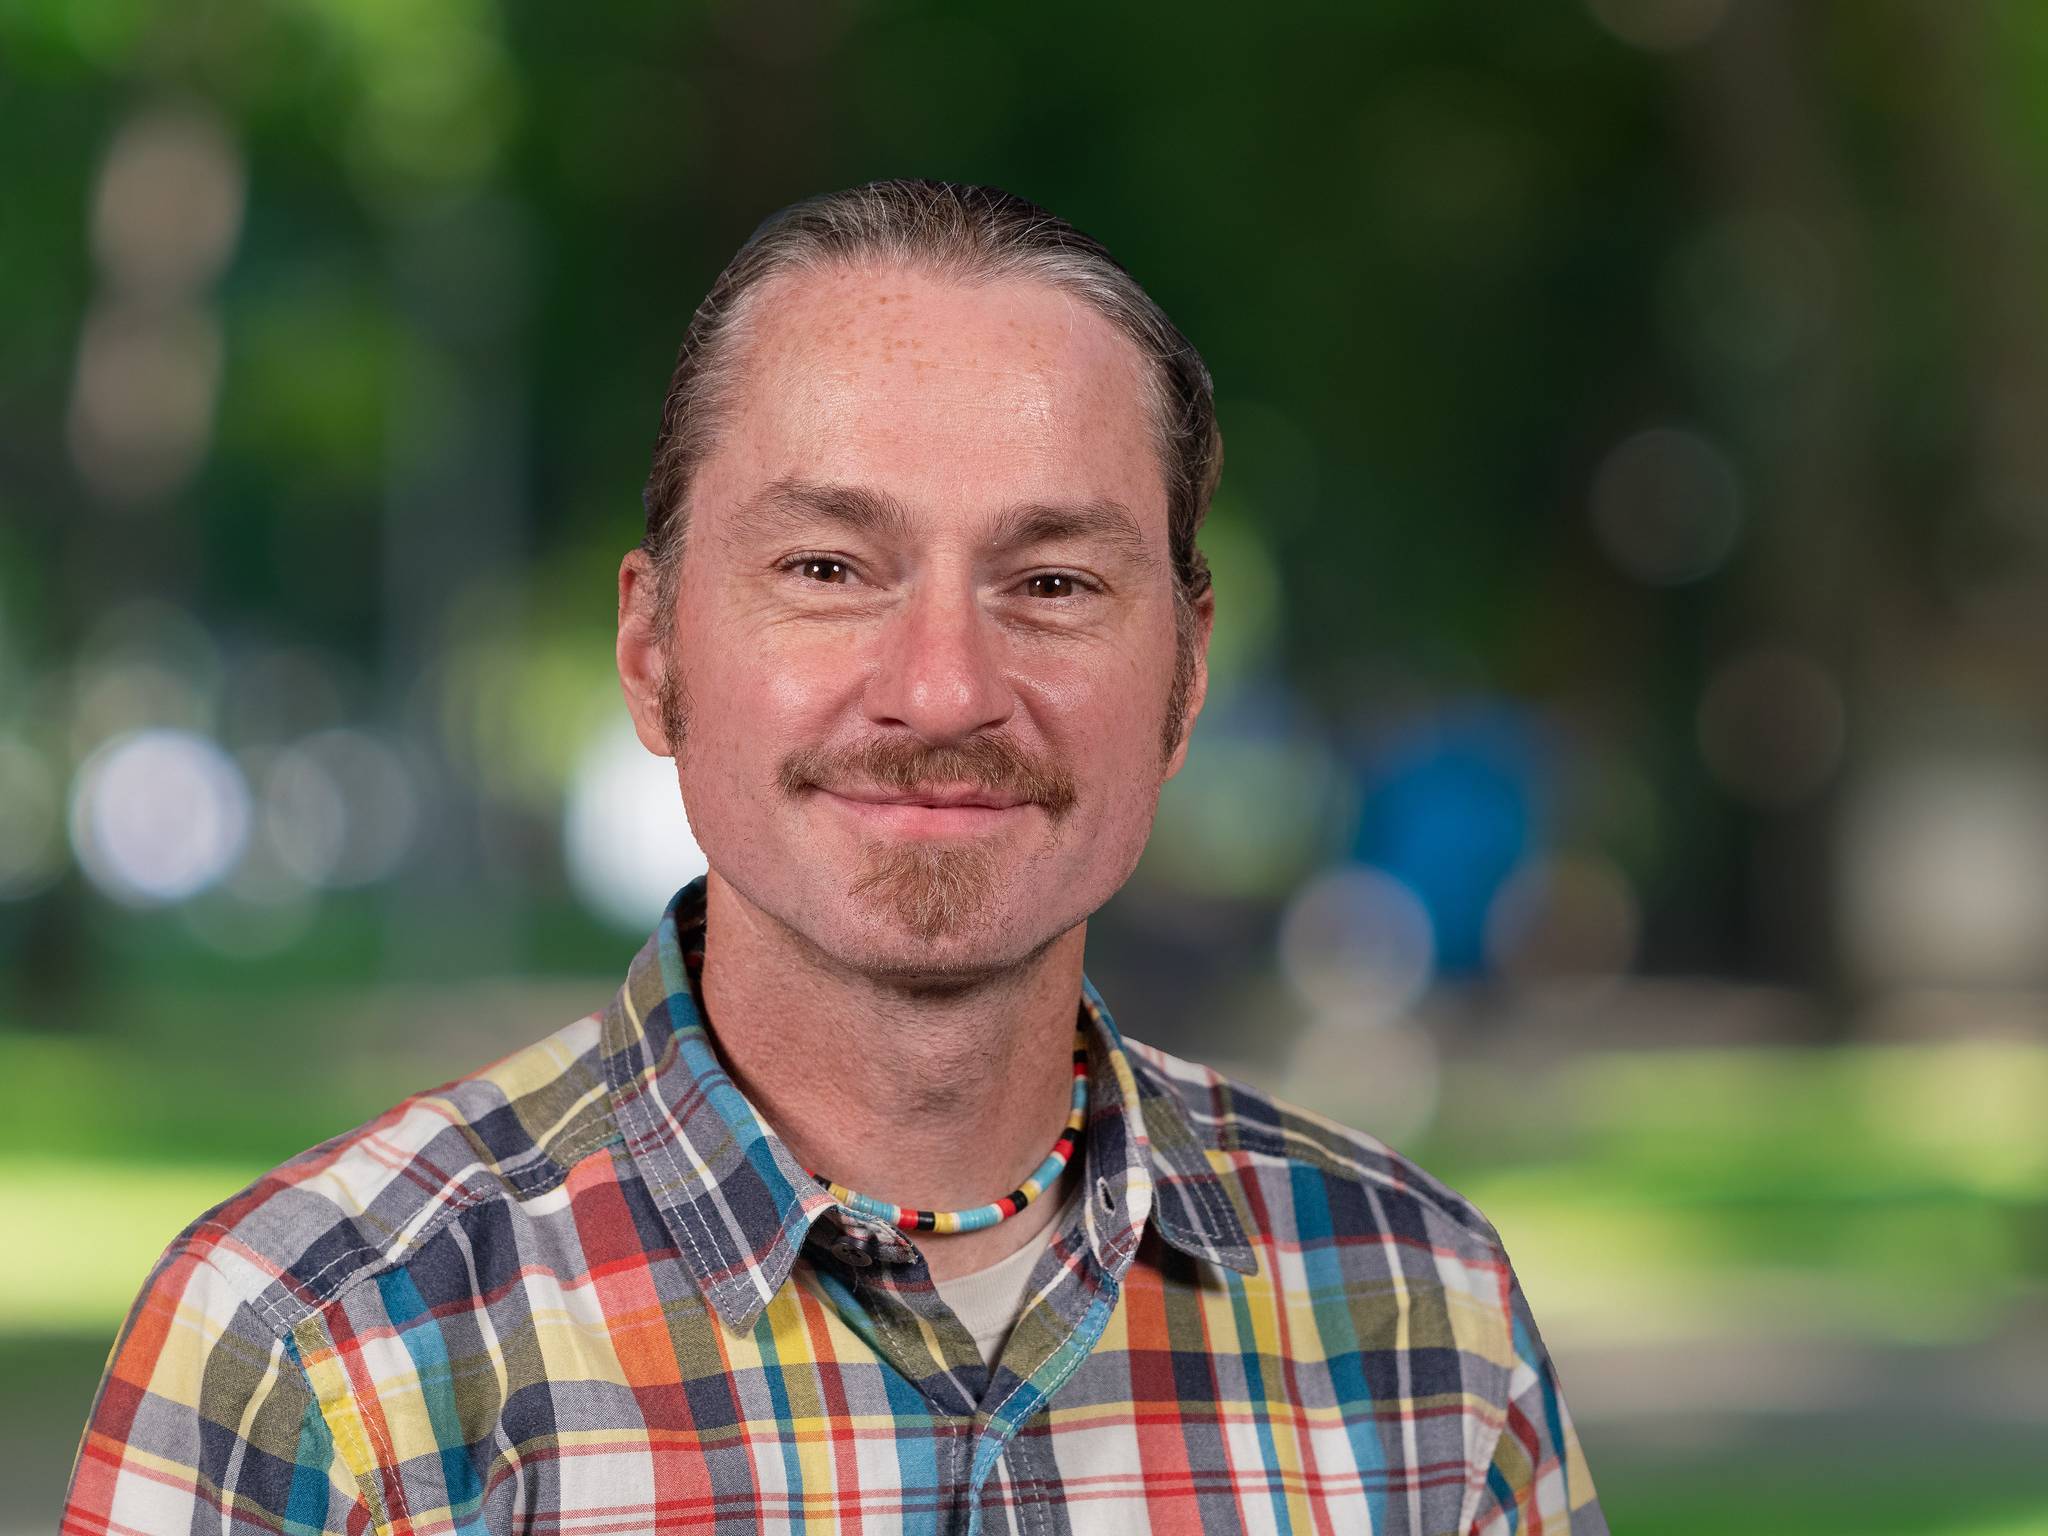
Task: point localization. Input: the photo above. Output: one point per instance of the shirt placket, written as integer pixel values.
(910, 1327)
(883, 1294)
(1112, 1217)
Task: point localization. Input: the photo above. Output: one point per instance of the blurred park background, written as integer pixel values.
(1625, 782)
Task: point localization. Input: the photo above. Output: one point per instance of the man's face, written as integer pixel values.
(924, 636)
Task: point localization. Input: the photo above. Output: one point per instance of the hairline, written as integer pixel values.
(724, 375)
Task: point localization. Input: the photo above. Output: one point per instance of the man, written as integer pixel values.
(777, 1242)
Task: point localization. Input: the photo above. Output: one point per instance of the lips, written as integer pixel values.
(927, 813)
(939, 799)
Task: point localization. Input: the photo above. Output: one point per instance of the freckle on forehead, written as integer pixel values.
(833, 357)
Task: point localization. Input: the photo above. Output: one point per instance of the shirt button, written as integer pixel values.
(851, 1253)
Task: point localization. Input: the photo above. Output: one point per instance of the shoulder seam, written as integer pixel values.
(1458, 1210)
(1297, 1148)
(271, 1302)
(283, 1340)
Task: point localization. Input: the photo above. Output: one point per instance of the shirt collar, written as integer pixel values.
(740, 1206)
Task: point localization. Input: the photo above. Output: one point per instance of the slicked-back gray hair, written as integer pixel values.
(968, 233)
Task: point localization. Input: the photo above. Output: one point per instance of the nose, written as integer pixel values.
(940, 672)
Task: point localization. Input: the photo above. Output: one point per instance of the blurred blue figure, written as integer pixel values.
(1450, 806)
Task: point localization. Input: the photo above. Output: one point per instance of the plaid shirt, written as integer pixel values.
(589, 1291)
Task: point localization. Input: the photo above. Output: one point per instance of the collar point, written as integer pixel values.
(1234, 1255)
(738, 1307)
(1237, 1258)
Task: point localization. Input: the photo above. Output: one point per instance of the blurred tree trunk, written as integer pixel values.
(1985, 221)
(1805, 427)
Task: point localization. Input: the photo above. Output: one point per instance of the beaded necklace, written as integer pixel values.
(909, 1219)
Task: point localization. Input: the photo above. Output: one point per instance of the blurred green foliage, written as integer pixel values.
(1442, 262)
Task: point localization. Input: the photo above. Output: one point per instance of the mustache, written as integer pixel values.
(993, 763)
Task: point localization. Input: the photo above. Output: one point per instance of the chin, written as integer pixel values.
(906, 951)
(932, 915)
(925, 935)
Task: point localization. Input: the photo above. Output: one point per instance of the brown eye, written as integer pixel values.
(825, 570)
(1052, 584)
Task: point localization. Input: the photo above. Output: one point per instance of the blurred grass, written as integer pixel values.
(1838, 1489)
(1606, 1267)
(1958, 1119)
(116, 1218)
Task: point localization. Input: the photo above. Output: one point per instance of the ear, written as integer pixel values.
(1203, 616)
(643, 659)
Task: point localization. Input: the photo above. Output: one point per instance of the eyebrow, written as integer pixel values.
(788, 505)
(1045, 522)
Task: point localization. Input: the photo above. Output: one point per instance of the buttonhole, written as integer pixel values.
(1102, 1191)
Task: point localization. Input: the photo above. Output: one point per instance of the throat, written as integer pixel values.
(942, 1104)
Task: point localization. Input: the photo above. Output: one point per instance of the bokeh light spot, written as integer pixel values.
(1666, 506)
(625, 834)
(1357, 944)
(340, 808)
(1247, 814)
(1385, 1081)
(168, 206)
(158, 816)
(1568, 919)
(1749, 294)
(1944, 874)
(1772, 726)
(1247, 623)
(1660, 26)
(143, 399)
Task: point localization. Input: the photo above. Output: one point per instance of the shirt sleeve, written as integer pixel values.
(1537, 1480)
(205, 1420)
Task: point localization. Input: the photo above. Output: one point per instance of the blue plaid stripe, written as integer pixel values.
(590, 1289)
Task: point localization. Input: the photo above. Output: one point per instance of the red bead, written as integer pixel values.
(908, 1220)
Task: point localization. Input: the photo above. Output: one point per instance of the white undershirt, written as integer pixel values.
(989, 1300)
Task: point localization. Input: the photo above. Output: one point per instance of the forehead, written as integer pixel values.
(954, 396)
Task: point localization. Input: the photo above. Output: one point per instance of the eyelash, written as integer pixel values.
(795, 565)
(1080, 583)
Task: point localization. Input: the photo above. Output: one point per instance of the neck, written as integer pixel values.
(939, 1099)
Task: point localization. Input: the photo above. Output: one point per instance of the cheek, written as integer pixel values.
(1108, 704)
(791, 685)
(755, 700)
(1103, 722)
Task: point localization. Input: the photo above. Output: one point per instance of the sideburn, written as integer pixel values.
(673, 702)
(1182, 688)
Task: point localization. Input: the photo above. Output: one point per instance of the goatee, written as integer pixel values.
(935, 889)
